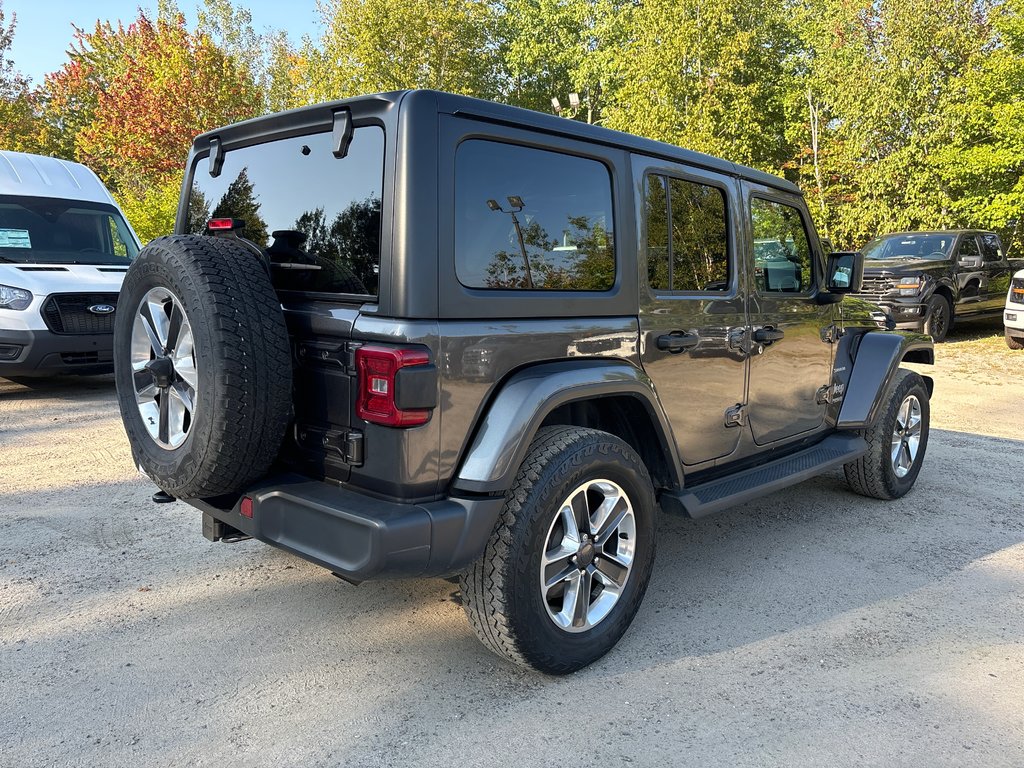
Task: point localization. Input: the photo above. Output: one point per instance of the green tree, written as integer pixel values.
(369, 46)
(240, 202)
(709, 76)
(18, 130)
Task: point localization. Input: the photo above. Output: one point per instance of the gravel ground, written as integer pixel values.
(813, 627)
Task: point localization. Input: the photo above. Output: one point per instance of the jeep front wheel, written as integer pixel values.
(896, 442)
(567, 566)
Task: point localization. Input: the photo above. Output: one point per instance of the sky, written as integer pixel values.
(44, 30)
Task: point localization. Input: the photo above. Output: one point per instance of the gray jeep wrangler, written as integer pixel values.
(417, 334)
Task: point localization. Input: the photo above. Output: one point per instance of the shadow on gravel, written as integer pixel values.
(56, 386)
(118, 608)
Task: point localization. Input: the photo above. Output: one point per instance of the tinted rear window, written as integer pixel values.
(307, 209)
(532, 219)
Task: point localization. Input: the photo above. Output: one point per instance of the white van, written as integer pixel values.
(64, 249)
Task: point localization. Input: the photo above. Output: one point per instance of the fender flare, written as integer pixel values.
(507, 428)
(875, 364)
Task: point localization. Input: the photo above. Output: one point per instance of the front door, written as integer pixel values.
(791, 361)
(692, 313)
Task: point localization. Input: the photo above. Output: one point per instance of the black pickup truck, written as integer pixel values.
(429, 335)
(926, 281)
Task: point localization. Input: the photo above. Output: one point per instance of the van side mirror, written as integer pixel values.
(845, 272)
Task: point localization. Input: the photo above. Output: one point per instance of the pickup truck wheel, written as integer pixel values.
(939, 319)
(202, 364)
(896, 443)
(566, 568)
(1013, 342)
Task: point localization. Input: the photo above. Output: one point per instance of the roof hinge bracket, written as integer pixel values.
(342, 134)
(216, 157)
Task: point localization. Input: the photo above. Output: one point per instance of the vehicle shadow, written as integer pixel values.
(166, 632)
(27, 388)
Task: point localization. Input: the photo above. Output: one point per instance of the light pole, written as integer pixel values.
(574, 105)
(516, 203)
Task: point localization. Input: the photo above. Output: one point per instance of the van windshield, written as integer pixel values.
(52, 230)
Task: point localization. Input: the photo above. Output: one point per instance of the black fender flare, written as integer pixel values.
(505, 431)
(878, 357)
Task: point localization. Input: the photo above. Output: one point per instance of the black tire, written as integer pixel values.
(874, 473)
(242, 359)
(939, 320)
(1013, 342)
(501, 591)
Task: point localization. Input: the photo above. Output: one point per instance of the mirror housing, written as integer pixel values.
(970, 262)
(845, 273)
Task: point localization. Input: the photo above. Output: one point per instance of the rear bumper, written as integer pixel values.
(42, 353)
(360, 537)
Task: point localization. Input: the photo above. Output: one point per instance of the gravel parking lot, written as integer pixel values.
(813, 627)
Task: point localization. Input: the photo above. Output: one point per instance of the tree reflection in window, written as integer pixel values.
(530, 218)
(687, 236)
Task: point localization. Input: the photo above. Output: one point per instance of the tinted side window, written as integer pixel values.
(532, 219)
(968, 247)
(782, 252)
(687, 240)
(306, 208)
(990, 248)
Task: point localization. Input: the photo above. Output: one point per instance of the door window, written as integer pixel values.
(990, 248)
(968, 247)
(782, 251)
(687, 237)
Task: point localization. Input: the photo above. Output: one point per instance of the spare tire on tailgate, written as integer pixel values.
(203, 365)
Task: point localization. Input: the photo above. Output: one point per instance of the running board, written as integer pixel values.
(716, 495)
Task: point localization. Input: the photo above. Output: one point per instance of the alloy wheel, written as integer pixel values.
(164, 371)
(588, 555)
(906, 436)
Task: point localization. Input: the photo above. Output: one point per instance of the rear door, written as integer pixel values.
(997, 269)
(692, 315)
(791, 362)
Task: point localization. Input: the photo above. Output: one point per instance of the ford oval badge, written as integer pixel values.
(101, 309)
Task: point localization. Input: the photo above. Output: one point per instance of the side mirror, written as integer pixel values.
(845, 272)
(970, 262)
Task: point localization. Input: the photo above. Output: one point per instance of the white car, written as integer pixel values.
(1013, 315)
(64, 249)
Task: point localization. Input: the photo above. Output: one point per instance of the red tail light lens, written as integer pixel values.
(378, 368)
(220, 225)
(245, 508)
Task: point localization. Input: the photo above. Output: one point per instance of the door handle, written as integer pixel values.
(677, 342)
(768, 335)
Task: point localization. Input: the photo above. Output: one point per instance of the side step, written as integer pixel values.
(700, 500)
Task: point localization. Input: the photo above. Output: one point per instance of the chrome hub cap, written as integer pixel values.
(164, 370)
(906, 437)
(588, 555)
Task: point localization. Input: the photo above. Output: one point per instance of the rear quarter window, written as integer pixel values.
(532, 219)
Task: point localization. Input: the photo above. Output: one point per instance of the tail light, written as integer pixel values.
(397, 386)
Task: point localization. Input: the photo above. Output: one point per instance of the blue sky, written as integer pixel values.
(44, 28)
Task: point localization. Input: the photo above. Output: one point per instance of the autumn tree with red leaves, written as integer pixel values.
(131, 99)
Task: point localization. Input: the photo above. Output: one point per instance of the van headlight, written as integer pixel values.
(14, 298)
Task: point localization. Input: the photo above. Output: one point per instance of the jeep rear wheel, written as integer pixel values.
(202, 365)
(896, 442)
(567, 566)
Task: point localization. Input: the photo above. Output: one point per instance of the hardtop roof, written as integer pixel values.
(467, 106)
